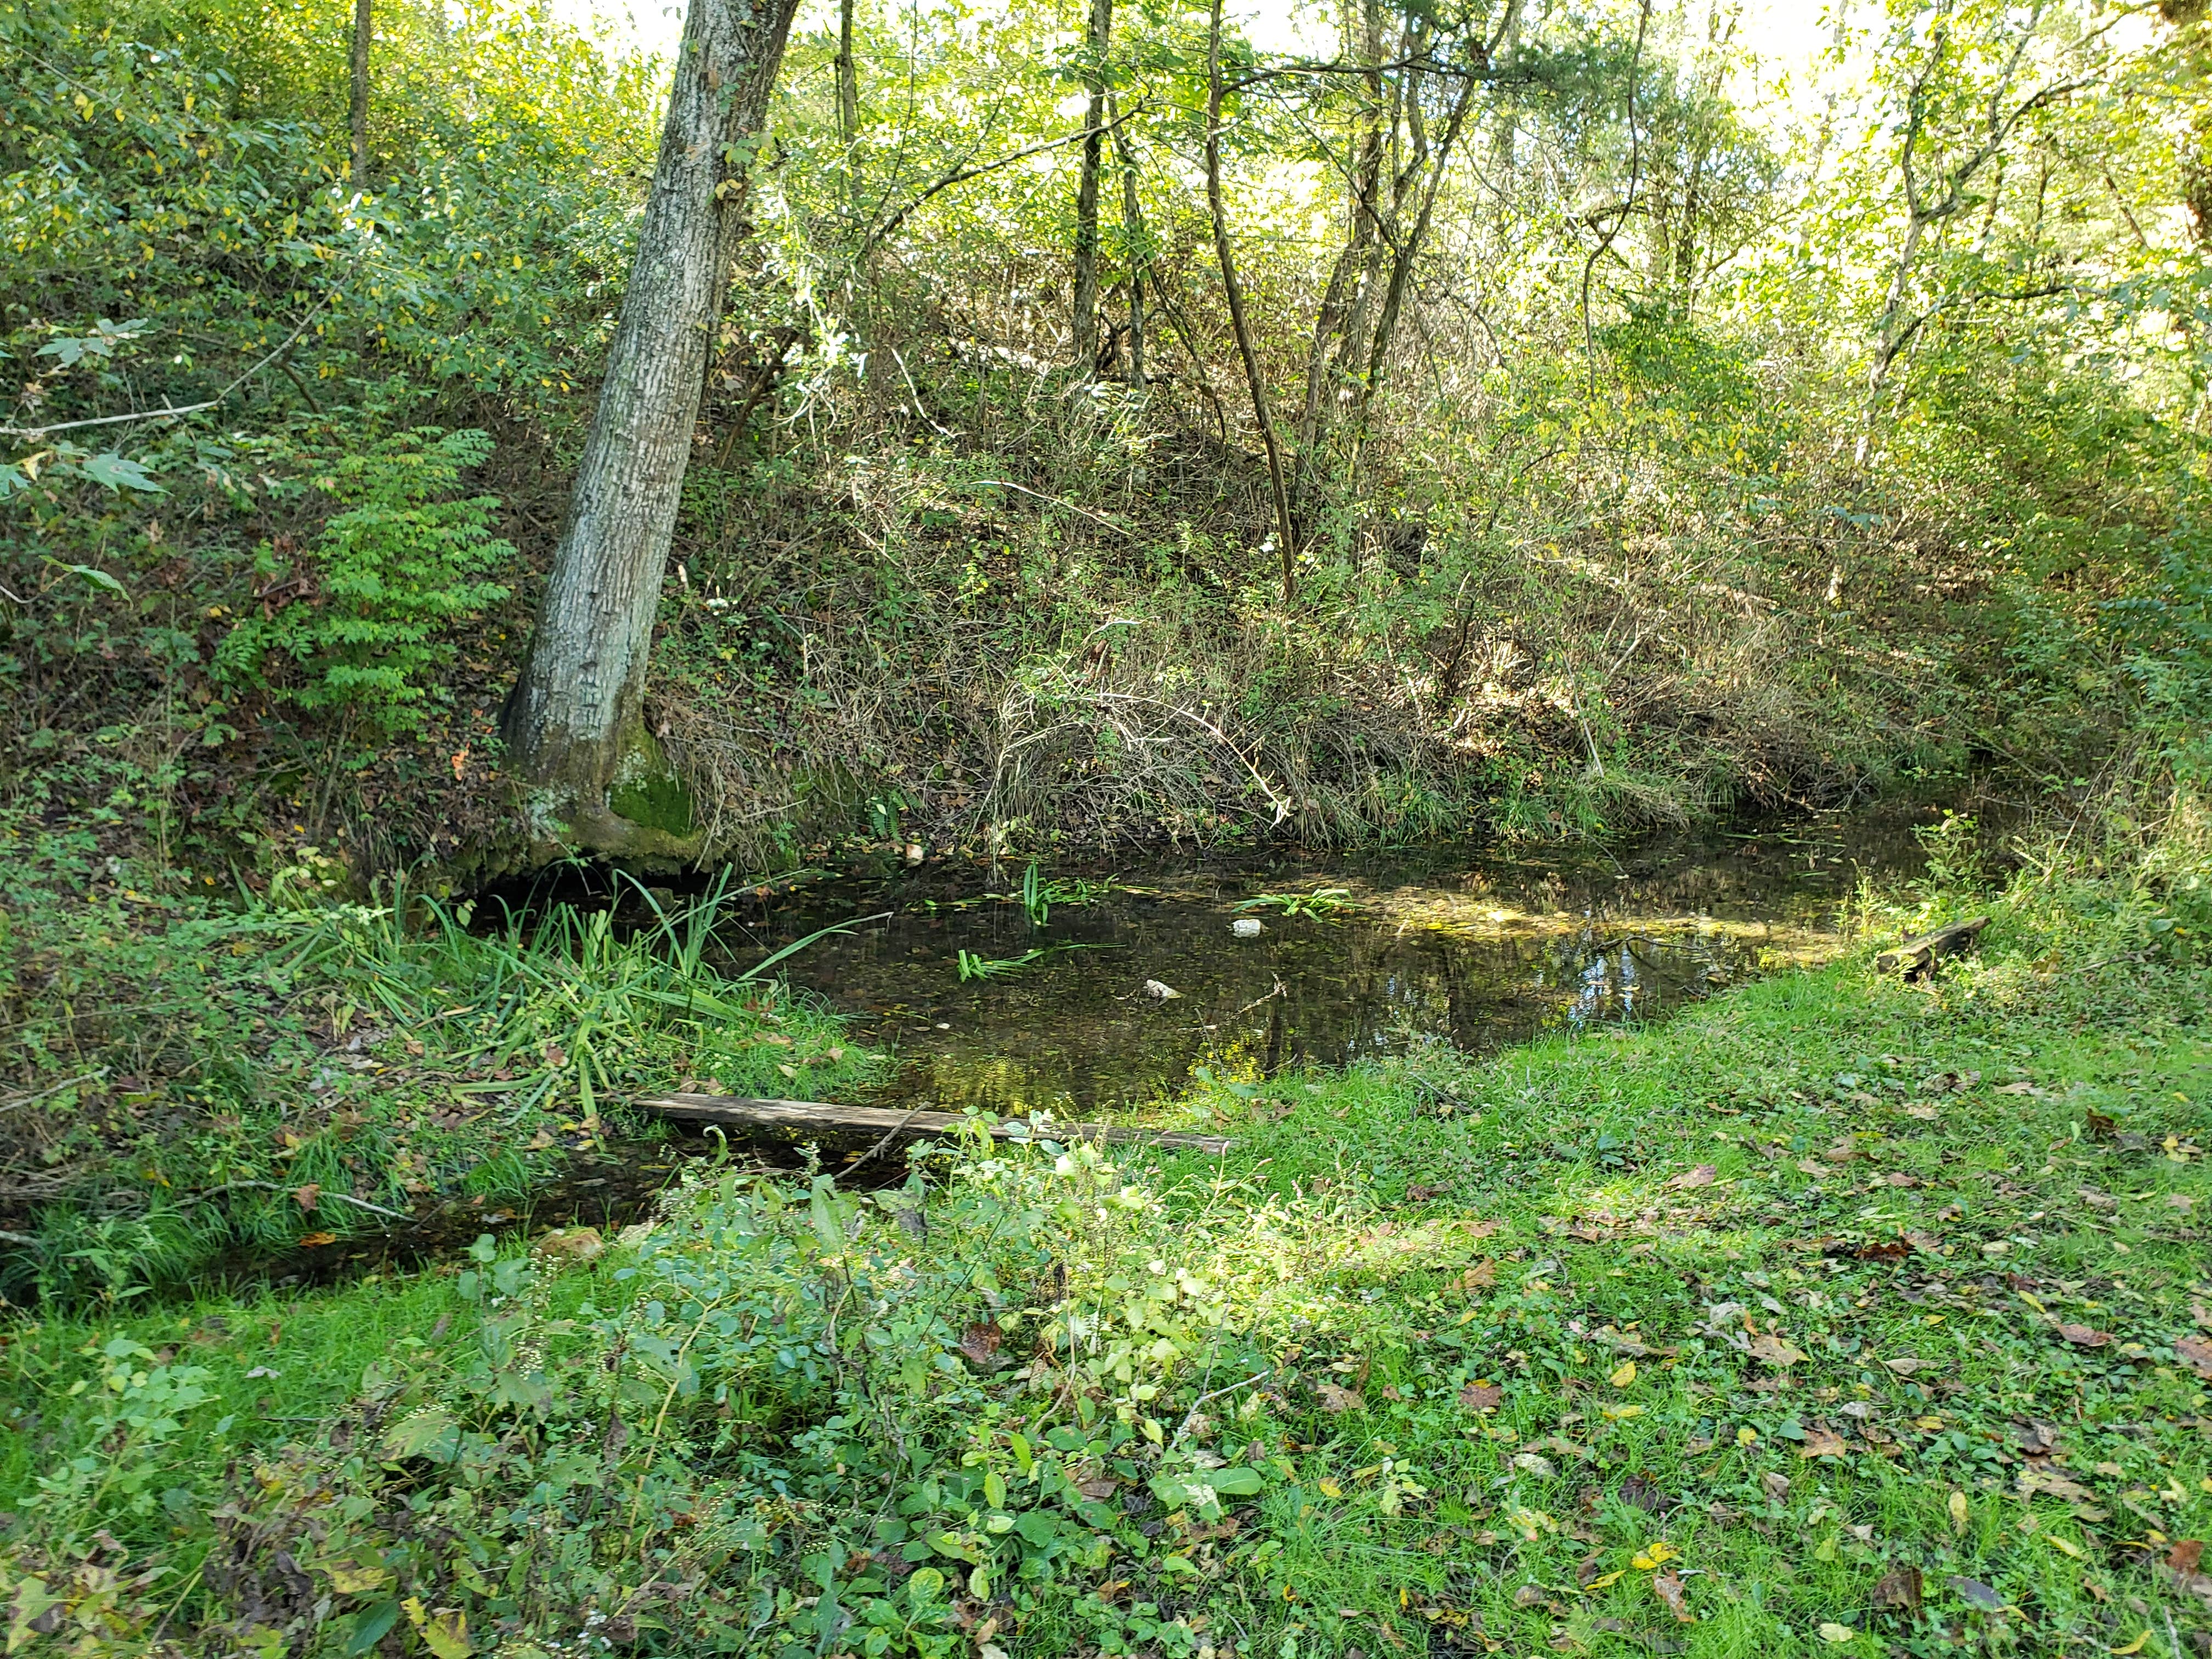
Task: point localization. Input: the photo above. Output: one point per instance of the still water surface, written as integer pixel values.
(1472, 946)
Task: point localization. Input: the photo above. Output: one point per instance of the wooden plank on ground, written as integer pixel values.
(1918, 955)
(802, 1117)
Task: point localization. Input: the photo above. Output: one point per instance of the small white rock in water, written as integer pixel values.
(1154, 989)
(1247, 927)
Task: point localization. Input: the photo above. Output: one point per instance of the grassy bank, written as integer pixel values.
(1838, 1315)
(194, 1076)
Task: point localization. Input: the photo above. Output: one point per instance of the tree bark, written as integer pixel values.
(573, 723)
(1132, 233)
(1235, 291)
(357, 103)
(848, 100)
(1087, 191)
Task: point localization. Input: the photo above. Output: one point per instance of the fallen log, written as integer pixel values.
(1917, 956)
(797, 1118)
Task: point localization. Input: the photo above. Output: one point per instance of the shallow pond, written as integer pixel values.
(1473, 946)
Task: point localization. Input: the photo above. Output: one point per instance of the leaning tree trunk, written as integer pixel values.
(573, 723)
(1087, 191)
(1234, 292)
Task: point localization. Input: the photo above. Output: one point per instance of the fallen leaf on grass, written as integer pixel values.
(1806, 1166)
(1668, 1587)
(1656, 1553)
(2198, 1353)
(348, 1579)
(1976, 1594)
(1822, 1443)
(1419, 1192)
(1925, 1114)
(309, 1196)
(1625, 1376)
(1904, 1364)
(2185, 1555)
(1832, 1631)
(1640, 1493)
(2135, 1646)
(980, 1342)
(1335, 1399)
(1482, 1396)
(1704, 1175)
(2033, 1480)
(1775, 1350)
(1957, 1506)
(1542, 1467)
(1561, 1444)
(1898, 1587)
(2082, 1337)
(2015, 1089)
(1098, 1488)
(1482, 1273)
(318, 1238)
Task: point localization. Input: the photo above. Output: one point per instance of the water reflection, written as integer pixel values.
(1474, 947)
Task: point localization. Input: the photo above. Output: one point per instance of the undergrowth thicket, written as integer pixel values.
(1580, 570)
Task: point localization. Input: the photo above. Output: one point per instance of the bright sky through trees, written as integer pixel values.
(1781, 34)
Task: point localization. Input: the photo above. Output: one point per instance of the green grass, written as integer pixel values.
(1855, 1316)
(199, 1079)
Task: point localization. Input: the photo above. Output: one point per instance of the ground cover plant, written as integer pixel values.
(216, 1076)
(1840, 1313)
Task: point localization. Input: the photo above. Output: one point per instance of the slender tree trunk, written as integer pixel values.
(1685, 236)
(1236, 294)
(357, 104)
(1086, 191)
(1409, 249)
(1132, 232)
(848, 100)
(573, 722)
(1353, 269)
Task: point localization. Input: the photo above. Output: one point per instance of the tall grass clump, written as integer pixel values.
(202, 1078)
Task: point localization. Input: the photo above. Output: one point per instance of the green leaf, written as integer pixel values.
(369, 1627)
(1240, 1481)
(427, 1434)
(118, 472)
(95, 575)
